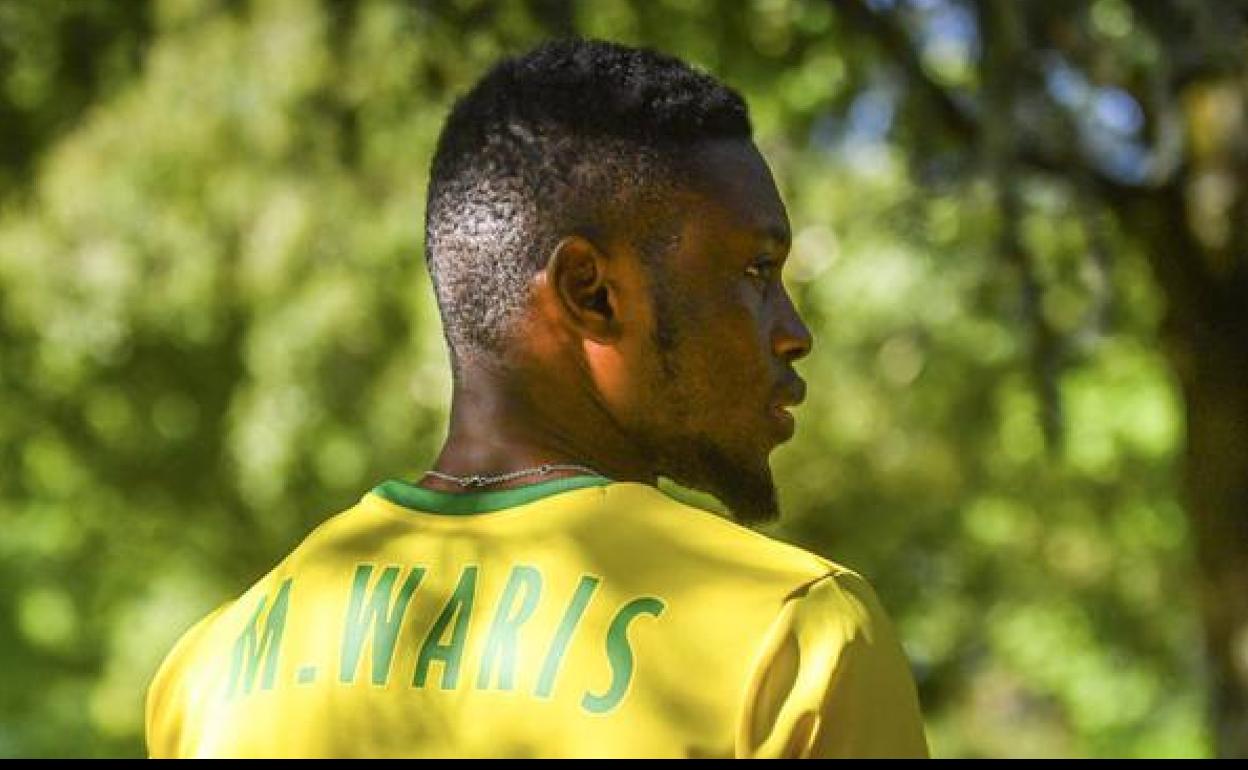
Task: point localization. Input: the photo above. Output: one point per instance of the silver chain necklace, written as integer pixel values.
(477, 481)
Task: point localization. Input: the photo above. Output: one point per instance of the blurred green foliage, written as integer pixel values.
(216, 330)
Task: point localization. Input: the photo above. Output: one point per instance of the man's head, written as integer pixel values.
(600, 220)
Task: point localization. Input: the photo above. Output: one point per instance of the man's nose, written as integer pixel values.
(791, 338)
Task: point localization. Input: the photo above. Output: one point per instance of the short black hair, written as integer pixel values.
(568, 138)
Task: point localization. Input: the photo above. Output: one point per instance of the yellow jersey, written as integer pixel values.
(577, 617)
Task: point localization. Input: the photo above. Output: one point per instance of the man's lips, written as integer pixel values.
(784, 421)
(791, 394)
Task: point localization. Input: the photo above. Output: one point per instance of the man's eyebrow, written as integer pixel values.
(776, 235)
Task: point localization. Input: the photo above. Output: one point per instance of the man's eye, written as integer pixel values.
(762, 271)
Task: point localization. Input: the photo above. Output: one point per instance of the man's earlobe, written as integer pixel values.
(578, 274)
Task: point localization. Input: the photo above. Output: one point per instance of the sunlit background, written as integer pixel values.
(1020, 243)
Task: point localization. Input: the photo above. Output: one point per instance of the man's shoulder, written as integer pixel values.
(700, 534)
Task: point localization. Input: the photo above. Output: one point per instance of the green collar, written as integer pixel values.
(466, 503)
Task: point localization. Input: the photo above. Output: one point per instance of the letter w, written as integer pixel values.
(375, 613)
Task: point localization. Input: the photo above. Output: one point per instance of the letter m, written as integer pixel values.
(253, 645)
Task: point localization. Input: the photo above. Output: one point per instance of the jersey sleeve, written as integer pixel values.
(831, 680)
(165, 708)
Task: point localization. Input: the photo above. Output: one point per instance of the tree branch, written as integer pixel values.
(961, 121)
(1181, 270)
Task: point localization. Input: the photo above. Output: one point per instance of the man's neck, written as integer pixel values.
(498, 426)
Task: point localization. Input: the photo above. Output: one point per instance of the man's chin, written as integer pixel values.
(747, 489)
(751, 503)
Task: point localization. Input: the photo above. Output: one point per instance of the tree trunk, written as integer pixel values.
(1206, 340)
(1215, 387)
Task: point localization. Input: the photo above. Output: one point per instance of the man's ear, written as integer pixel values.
(577, 274)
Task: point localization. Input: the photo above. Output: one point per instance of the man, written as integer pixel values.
(606, 243)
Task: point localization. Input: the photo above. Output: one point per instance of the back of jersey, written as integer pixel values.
(576, 617)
